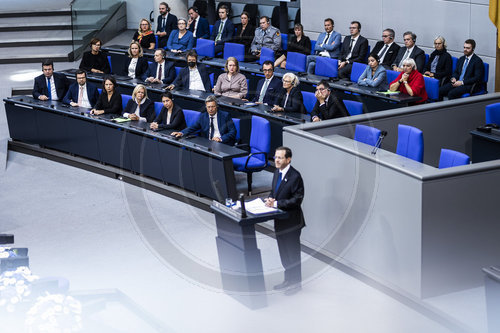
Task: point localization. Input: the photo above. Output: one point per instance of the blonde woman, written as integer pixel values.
(145, 35)
(231, 83)
(140, 107)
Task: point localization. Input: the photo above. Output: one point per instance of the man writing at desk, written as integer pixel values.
(287, 193)
(213, 124)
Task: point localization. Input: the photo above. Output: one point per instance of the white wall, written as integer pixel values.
(456, 20)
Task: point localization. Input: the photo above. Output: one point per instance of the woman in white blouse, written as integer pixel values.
(136, 65)
(140, 107)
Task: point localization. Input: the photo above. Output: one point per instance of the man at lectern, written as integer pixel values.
(287, 193)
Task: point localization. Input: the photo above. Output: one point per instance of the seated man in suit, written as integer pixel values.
(469, 71)
(198, 25)
(193, 77)
(266, 36)
(386, 49)
(327, 45)
(50, 85)
(268, 88)
(287, 193)
(213, 124)
(165, 24)
(327, 105)
(409, 51)
(354, 49)
(223, 30)
(160, 71)
(81, 93)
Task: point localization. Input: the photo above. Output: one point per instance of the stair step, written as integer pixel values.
(37, 20)
(26, 54)
(52, 12)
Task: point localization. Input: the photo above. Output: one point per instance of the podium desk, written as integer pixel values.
(485, 146)
(195, 164)
(239, 257)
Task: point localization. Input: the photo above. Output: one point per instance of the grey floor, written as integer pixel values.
(151, 264)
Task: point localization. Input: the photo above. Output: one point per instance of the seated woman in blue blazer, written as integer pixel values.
(171, 116)
(180, 40)
(290, 98)
(374, 74)
(139, 107)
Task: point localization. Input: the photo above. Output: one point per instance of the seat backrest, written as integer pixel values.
(284, 41)
(486, 72)
(158, 106)
(205, 47)
(177, 70)
(99, 90)
(357, 70)
(260, 137)
(275, 17)
(313, 45)
(410, 143)
(191, 116)
(125, 99)
(493, 114)
(236, 122)
(366, 134)
(354, 108)
(309, 100)
(432, 88)
(391, 75)
(110, 65)
(454, 61)
(266, 54)
(296, 62)
(450, 158)
(234, 50)
(326, 67)
(253, 11)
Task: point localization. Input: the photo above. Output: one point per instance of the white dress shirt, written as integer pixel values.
(195, 82)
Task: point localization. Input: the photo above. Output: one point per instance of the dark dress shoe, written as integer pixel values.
(293, 289)
(282, 285)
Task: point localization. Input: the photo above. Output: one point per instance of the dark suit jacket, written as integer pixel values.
(227, 31)
(140, 69)
(74, 92)
(170, 24)
(245, 38)
(359, 51)
(40, 86)
(333, 108)
(295, 102)
(224, 121)
(203, 28)
(273, 91)
(390, 54)
(182, 80)
(114, 105)
(417, 54)
(289, 197)
(177, 120)
(168, 71)
(474, 73)
(444, 65)
(146, 109)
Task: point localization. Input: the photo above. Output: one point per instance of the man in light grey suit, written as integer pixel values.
(327, 45)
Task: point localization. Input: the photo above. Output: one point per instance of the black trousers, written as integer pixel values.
(451, 92)
(289, 249)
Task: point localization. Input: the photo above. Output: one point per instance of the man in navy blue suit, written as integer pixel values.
(165, 24)
(50, 85)
(223, 30)
(213, 124)
(287, 193)
(81, 93)
(198, 25)
(160, 71)
(269, 88)
(469, 71)
(193, 77)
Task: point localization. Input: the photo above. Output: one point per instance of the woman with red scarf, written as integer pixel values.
(145, 35)
(410, 81)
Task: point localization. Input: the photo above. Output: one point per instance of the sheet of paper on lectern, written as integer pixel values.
(257, 206)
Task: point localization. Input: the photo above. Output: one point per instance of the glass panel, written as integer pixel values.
(87, 19)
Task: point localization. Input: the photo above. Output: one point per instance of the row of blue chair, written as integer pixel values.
(411, 145)
(353, 107)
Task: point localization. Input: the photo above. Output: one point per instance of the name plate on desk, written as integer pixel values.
(228, 210)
